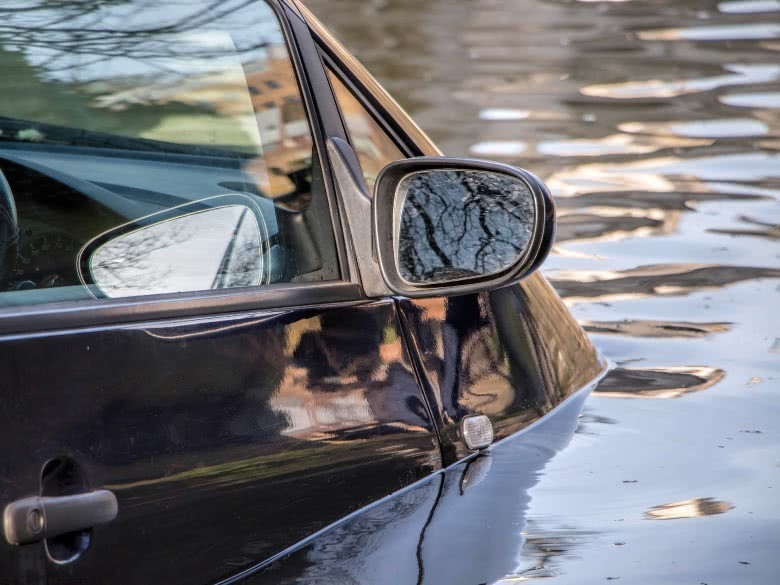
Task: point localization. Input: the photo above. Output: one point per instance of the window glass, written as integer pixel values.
(374, 148)
(153, 147)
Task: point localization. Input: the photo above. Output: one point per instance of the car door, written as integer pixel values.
(232, 408)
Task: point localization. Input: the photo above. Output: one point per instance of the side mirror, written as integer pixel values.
(215, 243)
(453, 225)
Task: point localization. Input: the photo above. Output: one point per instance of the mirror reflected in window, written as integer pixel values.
(155, 259)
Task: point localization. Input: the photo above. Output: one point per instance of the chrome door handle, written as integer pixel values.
(34, 519)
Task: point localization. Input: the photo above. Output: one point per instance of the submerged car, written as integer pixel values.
(253, 326)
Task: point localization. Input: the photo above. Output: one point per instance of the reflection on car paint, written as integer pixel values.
(497, 354)
(462, 526)
(320, 414)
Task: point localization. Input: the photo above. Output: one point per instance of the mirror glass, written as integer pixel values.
(215, 248)
(454, 224)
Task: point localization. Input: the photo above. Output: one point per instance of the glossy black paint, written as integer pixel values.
(497, 353)
(225, 440)
(465, 525)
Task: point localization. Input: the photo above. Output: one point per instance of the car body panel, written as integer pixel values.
(225, 439)
(462, 526)
(512, 354)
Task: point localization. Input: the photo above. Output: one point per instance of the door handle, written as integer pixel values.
(39, 517)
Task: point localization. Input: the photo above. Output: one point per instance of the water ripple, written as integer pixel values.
(651, 328)
(764, 100)
(662, 88)
(695, 508)
(654, 280)
(749, 31)
(749, 6)
(658, 382)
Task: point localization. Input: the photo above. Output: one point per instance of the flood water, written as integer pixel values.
(657, 127)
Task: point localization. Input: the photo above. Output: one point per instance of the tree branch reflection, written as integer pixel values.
(462, 223)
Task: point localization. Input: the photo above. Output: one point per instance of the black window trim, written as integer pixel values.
(310, 74)
(92, 313)
(374, 108)
(409, 137)
(320, 110)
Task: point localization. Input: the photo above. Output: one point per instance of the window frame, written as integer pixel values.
(409, 137)
(370, 104)
(333, 71)
(324, 121)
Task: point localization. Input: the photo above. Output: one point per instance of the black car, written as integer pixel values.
(253, 327)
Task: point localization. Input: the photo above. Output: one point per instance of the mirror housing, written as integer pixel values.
(506, 218)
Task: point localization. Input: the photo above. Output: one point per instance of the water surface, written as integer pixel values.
(657, 127)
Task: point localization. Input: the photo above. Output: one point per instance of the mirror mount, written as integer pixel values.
(505, 213)
(357, 206)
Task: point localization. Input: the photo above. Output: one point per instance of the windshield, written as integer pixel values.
(116, 110)
(177, 72)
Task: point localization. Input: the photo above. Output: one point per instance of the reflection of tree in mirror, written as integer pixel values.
(213, 249)
(462, 223)
(242, 264)
(125, 262)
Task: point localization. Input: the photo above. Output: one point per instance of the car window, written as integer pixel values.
(374, 148)
(152, 147)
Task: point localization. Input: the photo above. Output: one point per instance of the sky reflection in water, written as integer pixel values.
(656, 127)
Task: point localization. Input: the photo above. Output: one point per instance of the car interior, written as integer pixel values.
(65, 196)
